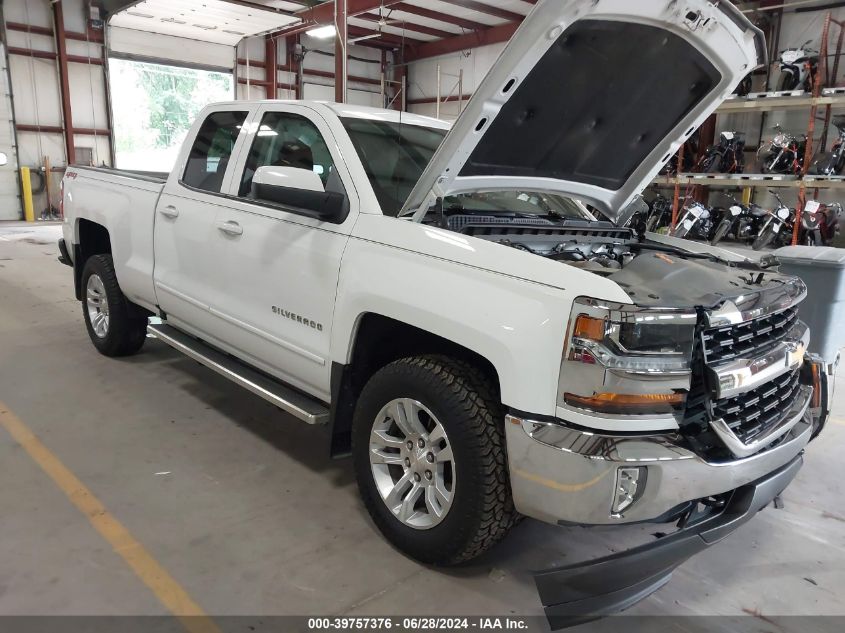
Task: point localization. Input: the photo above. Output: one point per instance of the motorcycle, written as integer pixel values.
(819, 223)
(695, 222)
(659, 214)
(784, 154)
(798, 68)
(831, 163)
(743, 87)
(743, 221)
(726, 156)
(777, 227)
(690, 151)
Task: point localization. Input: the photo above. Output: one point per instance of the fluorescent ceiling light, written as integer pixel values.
(322, 32)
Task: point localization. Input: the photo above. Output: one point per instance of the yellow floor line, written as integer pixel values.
(147, 568)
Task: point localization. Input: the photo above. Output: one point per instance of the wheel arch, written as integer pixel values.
(91, 238)
(378, 340)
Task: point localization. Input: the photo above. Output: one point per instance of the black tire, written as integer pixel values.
(764, 239)
(712, 164)
(651, 224)
(787, 81)
(721, 231)
(127, 326)
(464, 402)
(680, 230)
(743, 87)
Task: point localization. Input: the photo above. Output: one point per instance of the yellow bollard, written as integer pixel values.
(26, 185)
(746, 195)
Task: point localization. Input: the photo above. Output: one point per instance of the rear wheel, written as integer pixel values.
(116, 327)
(429, 452)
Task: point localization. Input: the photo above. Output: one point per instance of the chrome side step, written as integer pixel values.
(288, 400)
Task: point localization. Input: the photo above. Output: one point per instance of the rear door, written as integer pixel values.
(189, 270)
(280, 269)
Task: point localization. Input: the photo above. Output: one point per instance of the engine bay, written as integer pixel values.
(599, 247)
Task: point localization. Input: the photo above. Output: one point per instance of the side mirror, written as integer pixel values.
(299, 191)
(288, 177)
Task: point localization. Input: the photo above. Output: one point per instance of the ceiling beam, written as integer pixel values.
(390, 38)
(486, 8)
(441, 17)
(323, 14)
(398, 23)
(485, 37)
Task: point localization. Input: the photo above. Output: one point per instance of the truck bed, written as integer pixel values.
(124, 202)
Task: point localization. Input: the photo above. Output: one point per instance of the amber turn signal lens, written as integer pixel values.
(816, 401)
(627, 403)
(589, 328)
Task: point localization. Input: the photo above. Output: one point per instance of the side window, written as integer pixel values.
(287, 140)
(212, 150)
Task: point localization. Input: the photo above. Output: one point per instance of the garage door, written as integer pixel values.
(10, 204)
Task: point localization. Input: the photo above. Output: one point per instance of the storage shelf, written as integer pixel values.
(751, 180)
(768, 101)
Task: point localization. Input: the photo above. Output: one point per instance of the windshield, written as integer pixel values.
(394, 156)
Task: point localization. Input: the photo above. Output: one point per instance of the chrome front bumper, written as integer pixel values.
(561, 474)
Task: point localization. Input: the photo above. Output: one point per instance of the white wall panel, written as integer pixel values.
(36, 88)
(35, 12)
(32, 41)
(87, 95)
(166, 47)
(32, 148)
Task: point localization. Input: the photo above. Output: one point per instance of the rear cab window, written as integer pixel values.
(212, 151)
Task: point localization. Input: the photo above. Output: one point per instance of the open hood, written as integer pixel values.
(591, 97)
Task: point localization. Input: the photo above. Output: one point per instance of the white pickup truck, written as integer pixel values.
(466, 309)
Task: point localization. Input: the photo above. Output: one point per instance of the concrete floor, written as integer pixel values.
(245, 510)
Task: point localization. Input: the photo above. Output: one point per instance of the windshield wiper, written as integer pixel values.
(665, 248)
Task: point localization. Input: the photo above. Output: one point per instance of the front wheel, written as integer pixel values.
(712, 164)
(765, 238)
(787, 81)
(721, 231)
(115, 326)
(429, 452)
(681, 230)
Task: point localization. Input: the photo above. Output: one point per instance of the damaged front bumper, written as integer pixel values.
(567, 475)
(582, 592)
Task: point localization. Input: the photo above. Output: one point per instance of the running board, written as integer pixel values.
(288, 400)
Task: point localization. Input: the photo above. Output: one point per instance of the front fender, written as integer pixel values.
(518, 325)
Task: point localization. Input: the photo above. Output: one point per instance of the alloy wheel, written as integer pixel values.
(98, 306)
(412, 463)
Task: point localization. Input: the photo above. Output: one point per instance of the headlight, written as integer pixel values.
(625, 360)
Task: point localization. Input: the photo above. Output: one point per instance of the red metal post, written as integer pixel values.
(340, 56)
(271, 66)
(64, 82)
(811, 127)
(293, 65)
(676, 199)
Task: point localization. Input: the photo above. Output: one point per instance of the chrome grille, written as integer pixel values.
(756, 411)
(748, 339)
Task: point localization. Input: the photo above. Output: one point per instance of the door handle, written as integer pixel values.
(230, 227)
(170, 212)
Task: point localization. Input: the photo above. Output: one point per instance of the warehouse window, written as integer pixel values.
(154, 107)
